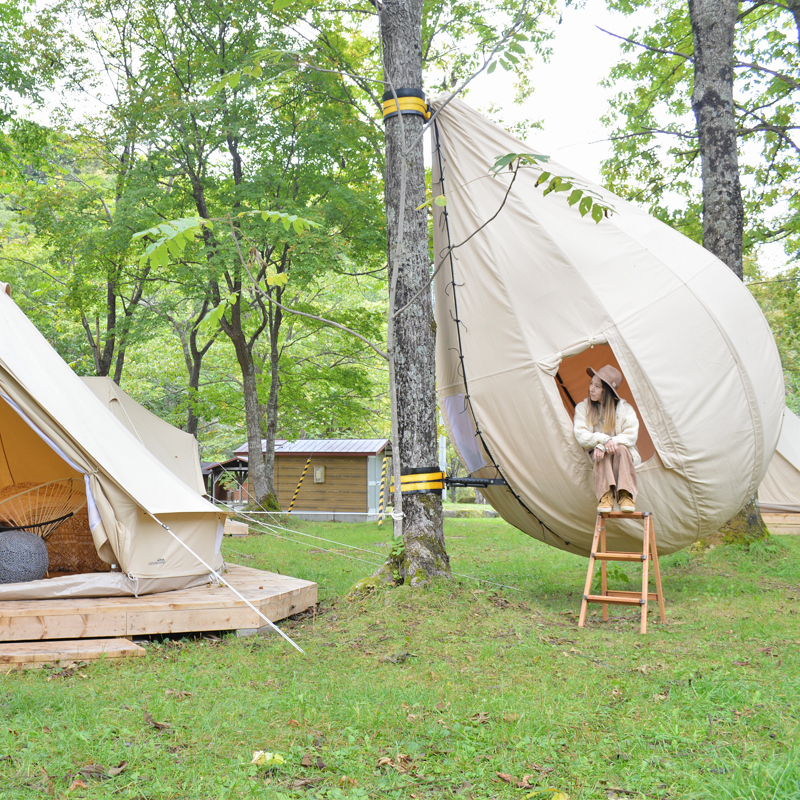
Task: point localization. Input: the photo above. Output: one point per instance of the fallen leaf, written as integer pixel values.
(481, 718)
(299, 783)
(294, 723)
(93, 771)
(177, 694)
(262, 758)
(397, 658)
(658, 698)
(77, 784)
(742, 664)
(148, 718)
(114, 771)
(402, 763)
(345, 781)
(511, 717)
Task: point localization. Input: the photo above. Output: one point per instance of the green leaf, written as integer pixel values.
(585, 206)
(279, 5)
(574, 196)
(506, 65)
(492, 68)
(597, 212)
(285, 221)
(233, 79)
(440, 201)
(543, 178)
(298, 226)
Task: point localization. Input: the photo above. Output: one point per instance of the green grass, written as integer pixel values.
(432, 693)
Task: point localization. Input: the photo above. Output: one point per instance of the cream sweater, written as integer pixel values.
(626, 431)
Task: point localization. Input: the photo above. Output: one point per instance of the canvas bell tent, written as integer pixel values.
(539, 294)
(779, 493)
(52, 426)
(175, 449)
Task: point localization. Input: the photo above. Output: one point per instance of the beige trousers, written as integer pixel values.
(615, 473)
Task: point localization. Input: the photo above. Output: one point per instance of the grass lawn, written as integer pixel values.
(462, 690)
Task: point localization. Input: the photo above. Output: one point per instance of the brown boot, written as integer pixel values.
(626, 503)
(606, 503)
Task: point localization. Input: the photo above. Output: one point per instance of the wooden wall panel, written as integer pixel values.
(344, 490)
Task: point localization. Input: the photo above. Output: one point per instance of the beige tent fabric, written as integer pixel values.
(779, 492)
(541, 293)
(52, 425)
(174, 448)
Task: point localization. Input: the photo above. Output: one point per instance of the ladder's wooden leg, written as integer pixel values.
(603, 575)
(645, 575)
(587, 589)
(657, 573)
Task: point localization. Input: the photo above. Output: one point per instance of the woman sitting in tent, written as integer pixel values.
(607, 428)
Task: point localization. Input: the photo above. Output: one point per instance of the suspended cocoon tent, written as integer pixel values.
(539, 294)
(53, 427)
(779, 492)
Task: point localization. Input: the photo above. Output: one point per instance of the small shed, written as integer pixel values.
(342, 482)
(227, 481)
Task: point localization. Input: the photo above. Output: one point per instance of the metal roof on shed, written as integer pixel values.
(336, 447)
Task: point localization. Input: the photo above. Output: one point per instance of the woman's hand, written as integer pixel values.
(611, 447)
(598, 454)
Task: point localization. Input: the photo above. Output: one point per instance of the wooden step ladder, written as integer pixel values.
(599, 553)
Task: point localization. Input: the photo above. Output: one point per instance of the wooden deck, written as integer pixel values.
(782, 523)
(208, 608)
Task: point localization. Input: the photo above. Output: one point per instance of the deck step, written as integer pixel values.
(32, 655)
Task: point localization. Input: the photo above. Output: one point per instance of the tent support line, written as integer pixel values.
(225, 583)
(459, 323)
(353, 547)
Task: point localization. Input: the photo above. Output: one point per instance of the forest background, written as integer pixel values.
(117, 116)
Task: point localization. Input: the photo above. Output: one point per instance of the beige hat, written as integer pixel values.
(609, 375)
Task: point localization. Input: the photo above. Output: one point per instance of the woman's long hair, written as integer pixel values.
(605, 410)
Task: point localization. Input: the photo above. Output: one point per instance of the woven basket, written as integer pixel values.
(72, 549)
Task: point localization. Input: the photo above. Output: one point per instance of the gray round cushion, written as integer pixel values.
(23, 557)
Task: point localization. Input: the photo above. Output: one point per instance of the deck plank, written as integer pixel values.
(28, 655)
(199, 609)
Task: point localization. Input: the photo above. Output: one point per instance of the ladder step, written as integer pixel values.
(618, 556)
(622, 593)
(623, 514)
(615, 599)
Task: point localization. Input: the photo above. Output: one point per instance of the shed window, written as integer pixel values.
(319, 474)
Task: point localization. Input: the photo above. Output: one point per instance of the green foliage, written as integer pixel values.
(656, 158)
(588, 201)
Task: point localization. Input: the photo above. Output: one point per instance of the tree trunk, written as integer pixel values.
(256, 466)
(713, 27)
(413, 342)
(713, 23)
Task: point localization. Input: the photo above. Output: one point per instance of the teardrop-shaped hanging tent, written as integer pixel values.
(539, 294)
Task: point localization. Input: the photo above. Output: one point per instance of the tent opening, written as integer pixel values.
(573, 386)
(27, 461)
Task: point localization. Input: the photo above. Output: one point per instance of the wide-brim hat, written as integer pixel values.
(609, 375)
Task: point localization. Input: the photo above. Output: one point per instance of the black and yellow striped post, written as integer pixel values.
(300, 483)
(382, 501)
(421, 480)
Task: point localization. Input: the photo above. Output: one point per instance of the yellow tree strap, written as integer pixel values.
(410, 101)
(421, 479)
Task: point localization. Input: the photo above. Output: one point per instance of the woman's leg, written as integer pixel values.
(604, 477)
(624, 472)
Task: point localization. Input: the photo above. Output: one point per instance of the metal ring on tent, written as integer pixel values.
(409, 101)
